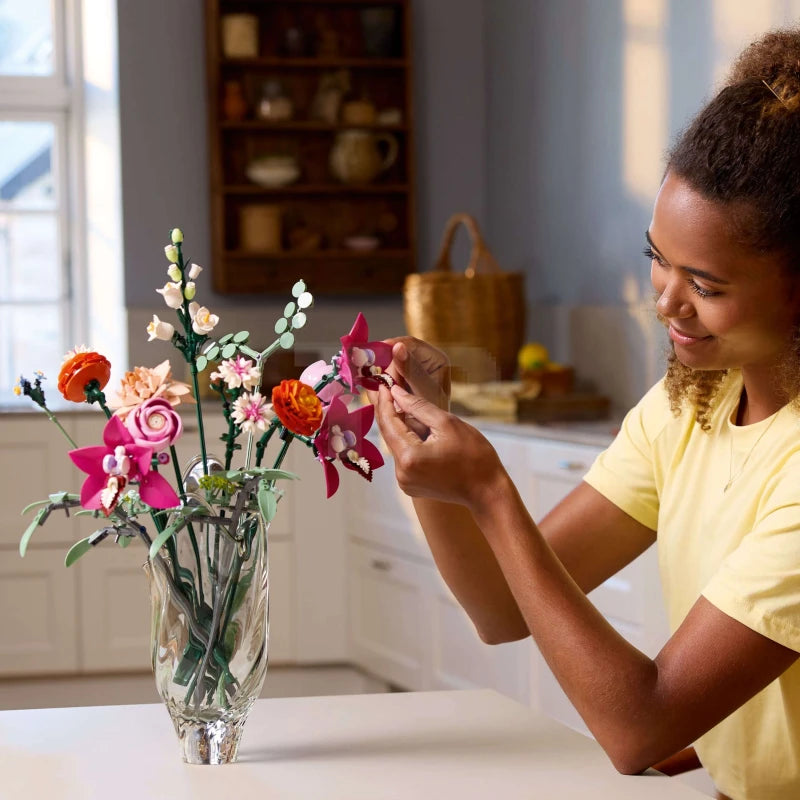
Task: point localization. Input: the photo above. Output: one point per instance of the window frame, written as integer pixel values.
(58, 98)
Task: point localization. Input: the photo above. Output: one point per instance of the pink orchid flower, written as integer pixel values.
(362, 361)
(116, 463)
(314, 373)
(342, 437)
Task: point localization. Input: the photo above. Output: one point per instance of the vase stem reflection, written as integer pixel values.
(210, 628)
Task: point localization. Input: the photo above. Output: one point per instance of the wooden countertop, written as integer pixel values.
(399, 746)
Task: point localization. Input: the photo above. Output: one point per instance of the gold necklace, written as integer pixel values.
(731, 476)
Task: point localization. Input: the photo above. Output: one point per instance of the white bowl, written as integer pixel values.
(273, 174)
(361, 243)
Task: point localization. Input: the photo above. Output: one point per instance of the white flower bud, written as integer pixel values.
(171, 252)
(174, 272)
(189, 290)
(173, 296)
(158, 329)
(176, 234)
(194, 271)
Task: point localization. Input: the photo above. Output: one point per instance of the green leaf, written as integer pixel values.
(268, 473)
(298, 320)
(162, 538)
(33, 505)
(298, 288)
(267, 502)
(241, 337)
(287, 340)
(87, 512)
(229, 351)
(26, 537)
(212, 354)
(60, 497)
(202, 363)
(76, 551)
(226, 338)
(305, 300)
(281, 325)
(124, 541)
(289, 310)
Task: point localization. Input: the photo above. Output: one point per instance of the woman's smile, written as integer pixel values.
(679, 337)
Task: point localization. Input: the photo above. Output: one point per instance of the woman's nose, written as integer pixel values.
(672, 302)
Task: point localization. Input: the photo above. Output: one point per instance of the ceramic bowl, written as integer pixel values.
(273, 172)
(361, 243)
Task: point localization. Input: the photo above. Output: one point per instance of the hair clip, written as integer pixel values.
(779, 98)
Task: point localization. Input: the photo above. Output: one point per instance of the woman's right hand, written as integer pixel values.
(424, 371)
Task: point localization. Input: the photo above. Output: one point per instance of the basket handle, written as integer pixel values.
(480, 259)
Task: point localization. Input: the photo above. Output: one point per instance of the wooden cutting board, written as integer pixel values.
(571, 407)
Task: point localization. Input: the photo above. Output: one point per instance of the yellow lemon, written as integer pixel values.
(532, 355)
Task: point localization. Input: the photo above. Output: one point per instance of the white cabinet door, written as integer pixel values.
(114, 608)
(281, 600)
(460, 660)
(38, 630)
(390, 624)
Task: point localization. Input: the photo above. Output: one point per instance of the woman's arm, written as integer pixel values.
(589, 534)
(639, 709)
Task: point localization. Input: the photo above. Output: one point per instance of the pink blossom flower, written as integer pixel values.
(342, 438)
(314, 373)
(154, 424)
(362, 361)
(238, 372)
(252, 412)
(116, 463)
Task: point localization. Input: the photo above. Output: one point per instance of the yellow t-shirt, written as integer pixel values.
(739, 547)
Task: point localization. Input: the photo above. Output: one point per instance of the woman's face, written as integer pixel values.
(725, 305)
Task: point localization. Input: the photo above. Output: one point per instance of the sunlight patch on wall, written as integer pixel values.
(645, 97)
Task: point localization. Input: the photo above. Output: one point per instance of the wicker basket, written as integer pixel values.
(477, 316)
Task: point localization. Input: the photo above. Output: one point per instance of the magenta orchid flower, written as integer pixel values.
(342, 437)
(116, 463)
(361, 362)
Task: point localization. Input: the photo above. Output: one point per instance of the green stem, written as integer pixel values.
(262, 443)
(52, 417)
(192, 536)
(200, 429)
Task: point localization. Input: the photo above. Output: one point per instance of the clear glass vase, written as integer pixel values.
(209, 589)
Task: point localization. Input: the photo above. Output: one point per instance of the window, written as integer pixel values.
(39, 216)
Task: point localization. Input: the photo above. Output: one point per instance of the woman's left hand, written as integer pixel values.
(455, 463)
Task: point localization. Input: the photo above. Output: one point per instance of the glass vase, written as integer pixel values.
(209, 589)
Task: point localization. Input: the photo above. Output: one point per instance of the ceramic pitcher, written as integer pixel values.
(356, 155)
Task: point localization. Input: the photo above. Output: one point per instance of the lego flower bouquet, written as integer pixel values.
(205, 527)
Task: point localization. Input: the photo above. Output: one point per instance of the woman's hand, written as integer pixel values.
(453, 463)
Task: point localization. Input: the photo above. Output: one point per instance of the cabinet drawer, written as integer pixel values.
(560, 458)
(389, 623)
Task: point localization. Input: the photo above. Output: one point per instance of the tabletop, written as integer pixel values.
(451, 744)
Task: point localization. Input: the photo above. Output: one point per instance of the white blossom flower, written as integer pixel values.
(252, 412)
(237, 372)
(158, 329)
(203, 321)
(171, 252)
(174, 272)
(176, 234)
(173, 296)
(194, 271)
(189, 290)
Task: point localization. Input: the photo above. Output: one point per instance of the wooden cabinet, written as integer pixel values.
(311, 148)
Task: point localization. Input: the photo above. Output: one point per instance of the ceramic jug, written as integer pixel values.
(356, 156)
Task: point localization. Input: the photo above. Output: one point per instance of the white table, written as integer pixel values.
(404, 746)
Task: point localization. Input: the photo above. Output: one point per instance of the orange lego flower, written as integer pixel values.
(297, 407)
(80, 368)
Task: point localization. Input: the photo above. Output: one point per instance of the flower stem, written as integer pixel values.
(52, 417)
(192, 536)
(200, 430)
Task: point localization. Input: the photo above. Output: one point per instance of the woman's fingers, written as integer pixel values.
(394, 430)
(421, 409)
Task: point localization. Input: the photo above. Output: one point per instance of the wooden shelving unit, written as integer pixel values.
(332, 211)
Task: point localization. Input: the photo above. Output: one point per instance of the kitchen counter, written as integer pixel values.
(467, 744)
(600, 432)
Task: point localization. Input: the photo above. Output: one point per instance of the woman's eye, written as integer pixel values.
(651, 254)
(697, 289)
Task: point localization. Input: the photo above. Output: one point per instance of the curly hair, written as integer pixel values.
(742, 151)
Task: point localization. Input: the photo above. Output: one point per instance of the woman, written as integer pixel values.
(707, 465)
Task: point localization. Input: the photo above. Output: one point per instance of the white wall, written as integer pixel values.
(585, 97)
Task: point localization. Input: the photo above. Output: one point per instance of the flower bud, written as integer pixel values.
(159, 329)
(194, 271)
(189, 290)
(171, 252)
(176, 234)
(174, 272)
